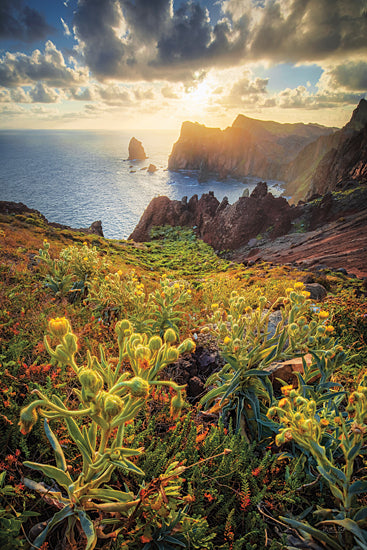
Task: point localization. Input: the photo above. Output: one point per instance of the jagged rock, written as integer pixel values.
(136, 150)
(222, 225)
(260, 190)
(152, 168)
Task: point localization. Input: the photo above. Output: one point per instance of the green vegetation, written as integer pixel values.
(104, 447)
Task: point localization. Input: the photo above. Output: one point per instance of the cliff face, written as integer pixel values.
(331, 161)
(222, 225)
(248, 147)
(308, 157)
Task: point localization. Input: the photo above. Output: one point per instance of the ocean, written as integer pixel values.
(76, 177)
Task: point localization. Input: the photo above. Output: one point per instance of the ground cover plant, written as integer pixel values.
(101, 447)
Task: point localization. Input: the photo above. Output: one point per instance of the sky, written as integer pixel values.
(151, 64)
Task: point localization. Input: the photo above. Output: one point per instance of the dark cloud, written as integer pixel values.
(19, 69)
(351, 76)
(20, 22)
(305, 30)
(189, 35)
(136, 39)
(147, 18)
(96, 25)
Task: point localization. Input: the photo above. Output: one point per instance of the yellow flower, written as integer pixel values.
(330, 328)
(282, 402)
(59, 327)
(85, 243)
(305, 293)
(286, 389)
(119, 273)
(214, 306)
(288, 290)
(227, 340)
(176, 285)
(85, 259)
(299, 286)
(324, 422)
(188, 291)
(323, 314)
(164, 276)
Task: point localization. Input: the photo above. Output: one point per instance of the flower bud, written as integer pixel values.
(122, 326)
(155, 343)
(59, 327)
(170, 336)
(172, 355)
(71, 344)
(28, 418)
(138, 387)
(177, 403)
(187, 346)
(113, 405)
(91, 382)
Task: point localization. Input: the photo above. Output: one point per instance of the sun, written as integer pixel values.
(199, 95)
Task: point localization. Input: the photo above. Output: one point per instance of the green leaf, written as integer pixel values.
(361, 514)
(128, 465)
(88, 528)
(358, 487)
(352, 527)
(109, 494)
(354, 451)
(58, 475)
(59, 454)
(57, 518)
(315, 533)
(78, 439)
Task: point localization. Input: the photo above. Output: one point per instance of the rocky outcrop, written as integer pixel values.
(151, 168)
(248, 147)
(22, 211)
(220, 224)
(136, 150)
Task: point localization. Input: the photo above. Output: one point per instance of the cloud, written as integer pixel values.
(350, 76)
(247, 90)
(18, 69)
(302, 30)
(169, 93)
(148, 39)
(42, 94)
(66, 28)
(156, 39)
(20, 22)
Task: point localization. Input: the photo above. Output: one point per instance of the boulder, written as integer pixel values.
(317, 291)
(152, 168)
(136, 150)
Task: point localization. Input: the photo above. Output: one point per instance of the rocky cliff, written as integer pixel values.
(331, 162)
(248, 147)
(308, 157)
(329, 231)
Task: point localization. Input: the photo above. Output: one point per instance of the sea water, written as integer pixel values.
(76, 177)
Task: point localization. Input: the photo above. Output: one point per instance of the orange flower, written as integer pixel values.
(209, 497)
(286, 390)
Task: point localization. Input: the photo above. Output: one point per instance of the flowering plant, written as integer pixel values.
(109, 398)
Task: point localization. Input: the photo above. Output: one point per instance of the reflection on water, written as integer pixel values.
(77, 177)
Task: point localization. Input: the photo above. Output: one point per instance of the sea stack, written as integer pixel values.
(136, 150)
